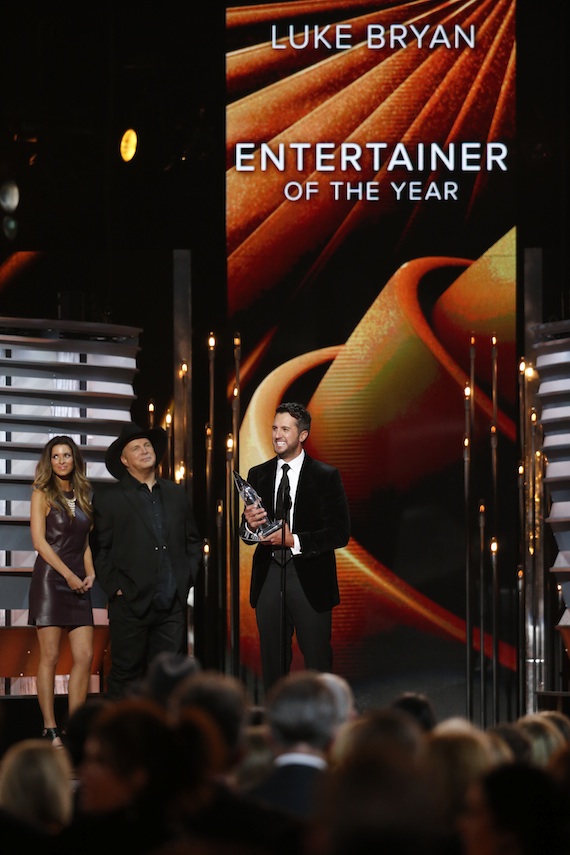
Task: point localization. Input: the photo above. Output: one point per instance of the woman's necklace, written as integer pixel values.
(69, 497)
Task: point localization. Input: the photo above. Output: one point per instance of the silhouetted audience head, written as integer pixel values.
(545, 737)
(227, 821)
(516, 809)
(376, 802)
(129, 759)
(164, 673)
(200, 756)
(36, 784)
(343, 694)
(456, 754)
(224, 699)
(560, 719)
(516, 738)
(78, 725)
(419, 707)
(387, 731)
(502, 751)
(301, 709)
(559, 767)
(257, 757)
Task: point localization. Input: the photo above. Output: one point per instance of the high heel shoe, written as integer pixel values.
(54, 734)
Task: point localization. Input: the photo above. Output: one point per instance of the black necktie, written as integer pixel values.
(283, 503)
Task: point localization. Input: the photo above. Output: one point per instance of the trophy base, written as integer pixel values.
(269, 528)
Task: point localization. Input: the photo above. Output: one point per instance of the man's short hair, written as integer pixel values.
(298, 412)
(300, 708)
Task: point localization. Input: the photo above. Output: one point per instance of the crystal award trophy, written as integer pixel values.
(251, 497)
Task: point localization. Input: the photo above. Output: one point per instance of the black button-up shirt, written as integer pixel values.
(151, 506)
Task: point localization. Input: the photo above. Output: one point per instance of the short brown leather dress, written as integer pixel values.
(51, 600)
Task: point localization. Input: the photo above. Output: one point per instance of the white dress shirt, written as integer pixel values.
(294, 472)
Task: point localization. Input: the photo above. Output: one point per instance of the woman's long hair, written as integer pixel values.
(46, 481)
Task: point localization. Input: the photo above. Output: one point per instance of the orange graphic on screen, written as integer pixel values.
(399, 246)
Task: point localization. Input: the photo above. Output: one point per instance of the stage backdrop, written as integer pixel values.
(371, 252)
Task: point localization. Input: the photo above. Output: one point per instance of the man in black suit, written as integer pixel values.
(294, 584)
(147, 553)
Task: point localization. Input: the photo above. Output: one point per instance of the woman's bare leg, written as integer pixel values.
(81, 643)
(49, 639)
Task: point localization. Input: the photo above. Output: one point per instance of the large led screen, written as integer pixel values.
(371, 252)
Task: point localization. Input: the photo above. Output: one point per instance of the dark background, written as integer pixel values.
(107, 229)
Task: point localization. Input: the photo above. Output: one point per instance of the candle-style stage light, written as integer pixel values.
(183, 375)
(495, 623)
(495, 590)
(532, 653)
(210, 426)
(221, 616)
(472, 381)
(521, 640)
(494, 377)
(169, 461)
(151, 414)
(206, 562)
(235, 508)
(522, 404)
(534, 540)
(468, 573)
(469, 404)
(233, 567)
(483, 682)
(209, 437)
(236, 395)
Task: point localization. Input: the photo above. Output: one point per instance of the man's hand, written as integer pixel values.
(275, 539)
(255, 516)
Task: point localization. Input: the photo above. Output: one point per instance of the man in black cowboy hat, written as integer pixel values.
(147, 552)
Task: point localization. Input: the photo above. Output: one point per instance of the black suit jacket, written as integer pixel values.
(125, 547)
(294, 787)
(320, 519)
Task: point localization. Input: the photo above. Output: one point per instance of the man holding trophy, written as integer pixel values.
(296, 512)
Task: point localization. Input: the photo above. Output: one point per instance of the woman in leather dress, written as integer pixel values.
(63, 574)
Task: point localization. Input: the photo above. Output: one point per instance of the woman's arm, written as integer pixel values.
(89, 567)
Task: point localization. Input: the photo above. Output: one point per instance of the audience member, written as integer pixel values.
(164, 673)
(344, 697)
(224, 698)
(128, 780)
(502, 751)
(230, 816)
(516, 809)
(301, 714)
(456, 754)
(376, 802)
(419, 706)
(36, 785)
(385, 731)
(559, 767)
(454, 723)
(545, 737)
(516, 738)
(78, 725)
(256, 758)
(560, 719)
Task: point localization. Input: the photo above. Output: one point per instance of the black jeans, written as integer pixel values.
(135, 641)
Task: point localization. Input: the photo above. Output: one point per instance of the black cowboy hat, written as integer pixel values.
(158, 439)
